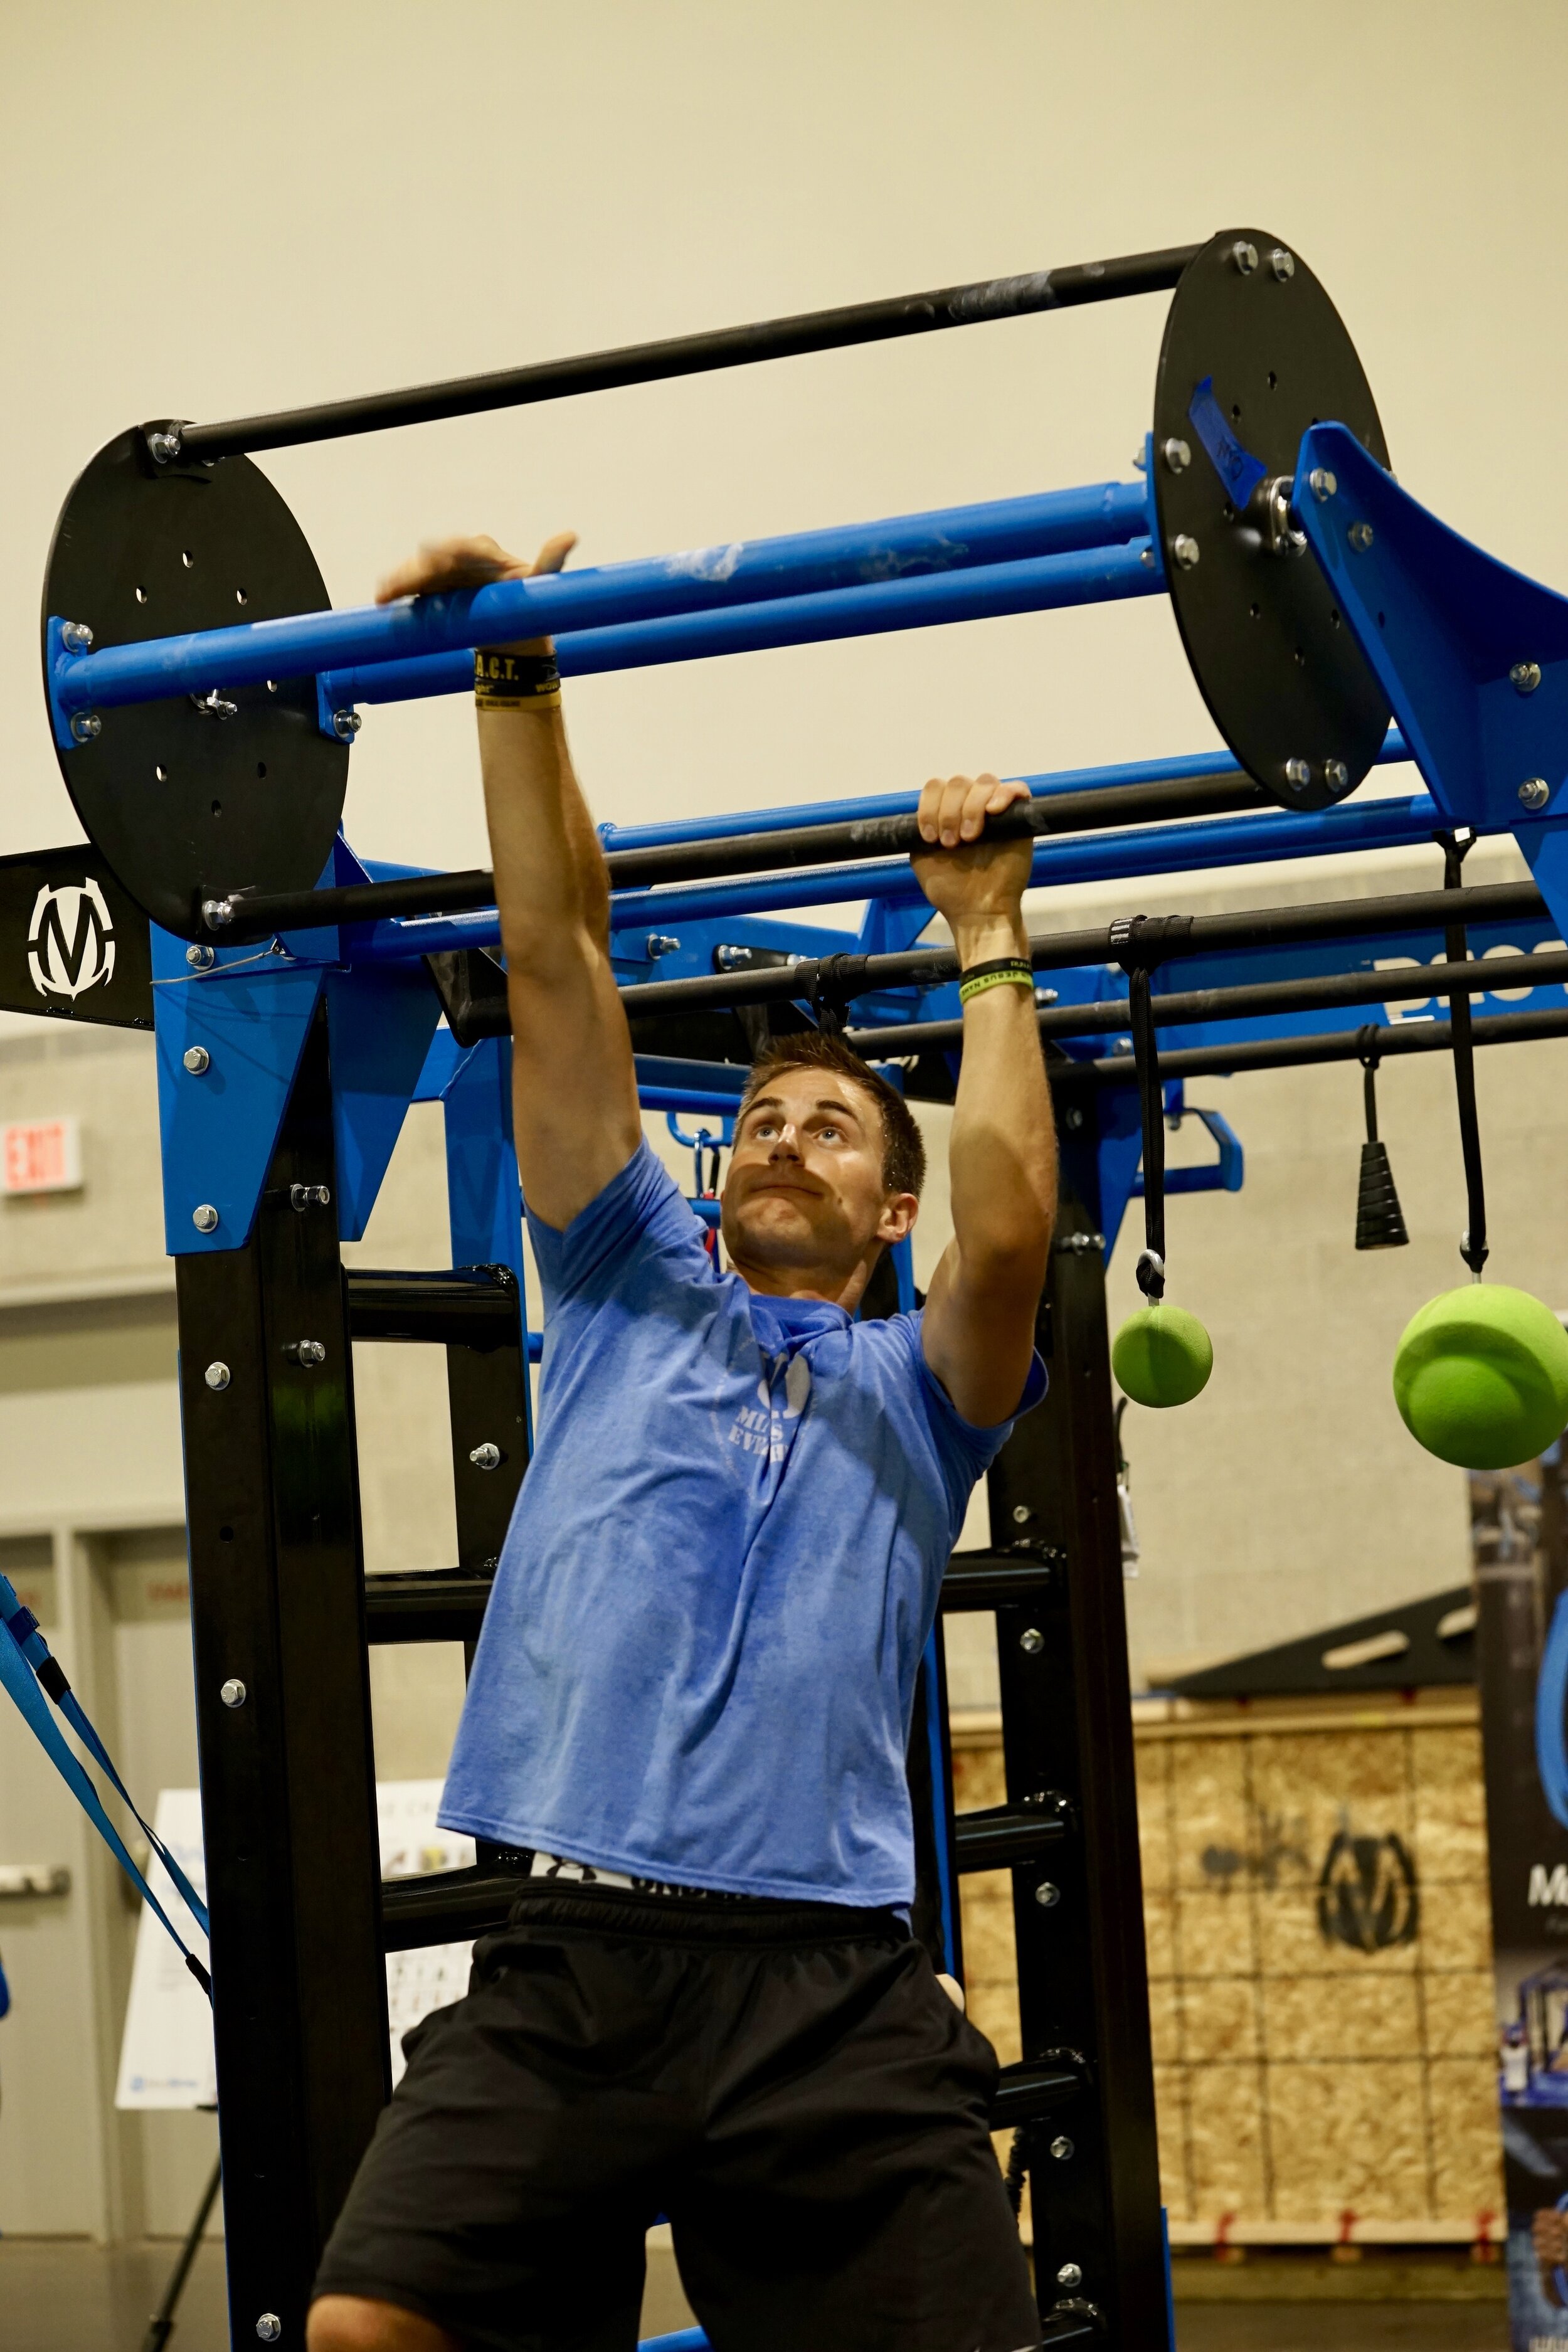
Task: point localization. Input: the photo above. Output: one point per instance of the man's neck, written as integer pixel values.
(828, 1286)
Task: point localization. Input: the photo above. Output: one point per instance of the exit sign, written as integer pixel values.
(41, 1155)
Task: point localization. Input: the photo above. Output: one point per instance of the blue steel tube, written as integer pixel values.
(1194, 846)
(1031, 584)
(1181, 767)
(856, 559)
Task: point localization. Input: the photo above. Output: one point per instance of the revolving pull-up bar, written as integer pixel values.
(725, 347)
(209, 759)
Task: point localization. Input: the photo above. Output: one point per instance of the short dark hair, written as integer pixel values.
(903, 1146)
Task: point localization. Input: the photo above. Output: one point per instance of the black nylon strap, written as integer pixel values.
(1368, 1055)
(1473, 1248)
(1138, 944)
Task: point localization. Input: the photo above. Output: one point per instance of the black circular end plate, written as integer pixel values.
(1272, 655)
(185, 804)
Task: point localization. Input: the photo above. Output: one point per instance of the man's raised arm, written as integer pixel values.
(979, 1324)
(574, 1102)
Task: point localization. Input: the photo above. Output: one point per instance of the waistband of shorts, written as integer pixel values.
(753, 1922)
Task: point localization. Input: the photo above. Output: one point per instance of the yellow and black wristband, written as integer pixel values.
(1005, 971)
(504, 681)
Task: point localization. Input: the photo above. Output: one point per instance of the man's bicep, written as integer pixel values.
(574, 1102)
(979, 1340)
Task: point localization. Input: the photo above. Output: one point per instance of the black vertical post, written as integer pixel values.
(1068, 1735)
(283, 1720)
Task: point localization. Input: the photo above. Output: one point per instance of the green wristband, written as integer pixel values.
(1006, 972)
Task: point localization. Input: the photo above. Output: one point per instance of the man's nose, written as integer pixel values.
(787, 1144)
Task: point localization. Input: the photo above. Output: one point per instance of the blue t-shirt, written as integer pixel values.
(699, 1659)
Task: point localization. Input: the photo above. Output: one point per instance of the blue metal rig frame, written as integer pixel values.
(286, 1070)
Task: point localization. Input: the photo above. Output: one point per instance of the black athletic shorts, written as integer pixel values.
(788, 2082)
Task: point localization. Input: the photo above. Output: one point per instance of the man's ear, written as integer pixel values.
(898, 1214)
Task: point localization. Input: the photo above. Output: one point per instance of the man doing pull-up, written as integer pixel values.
(692, 1698)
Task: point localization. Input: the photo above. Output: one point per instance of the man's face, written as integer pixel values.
(806, 1189)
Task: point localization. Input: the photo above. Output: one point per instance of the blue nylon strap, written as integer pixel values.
(18, 1675)
(1236, 466)
(24, 1629)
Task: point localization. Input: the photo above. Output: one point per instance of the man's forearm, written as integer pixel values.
(1002, 1154)
(551, 889)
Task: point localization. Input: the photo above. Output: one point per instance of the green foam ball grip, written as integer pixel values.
(1162, 1356)
(1480, 1376)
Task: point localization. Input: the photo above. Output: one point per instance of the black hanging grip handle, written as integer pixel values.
(1473, 1248)
(1140, 945)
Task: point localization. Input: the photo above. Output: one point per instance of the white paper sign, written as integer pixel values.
(166, 2054)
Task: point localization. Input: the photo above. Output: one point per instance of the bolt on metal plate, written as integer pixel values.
(1061, 2147)
(1534, 792)
(1047, 1895)
(205, 1218)
(1186, 549)
(197, 1059)
(218, 1376)
(486, 1456)
(1359, 536)
(233, 1692)
(1524, 676)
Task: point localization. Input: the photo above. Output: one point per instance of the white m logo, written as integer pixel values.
(70, 939)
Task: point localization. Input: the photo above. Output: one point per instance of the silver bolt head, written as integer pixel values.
(1177, 455)
(310, 1353)
(216, 913)
(163, 446)
(197, 1059)
(269, 2327)
(200, 958)
(1075, 1117)
(1245, 256)
(76, 636)
(86, 727)
(1336, 776)
(1022, 1514)
(1046, 995)
(486, 1456)
(1047, 1895)
(1282, 263)
(205, 1219)
(1359, 536)
(1297, 772)
(1534, 792)
(218, 1376)
(662, 943)
(1185, 548)
(1061, 2147)
(730, 959)
(233, 1692)
(1070, 2274)
(1322, 484)
(1031, 1640)
(346, 725)
(1524, 676)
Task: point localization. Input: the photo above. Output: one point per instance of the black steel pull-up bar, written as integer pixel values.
(678, 355)
(242, 918)
(1315, 994)
(1325, 1045)
(1186, 935)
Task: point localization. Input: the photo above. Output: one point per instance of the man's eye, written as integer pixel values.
(829, 1132)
